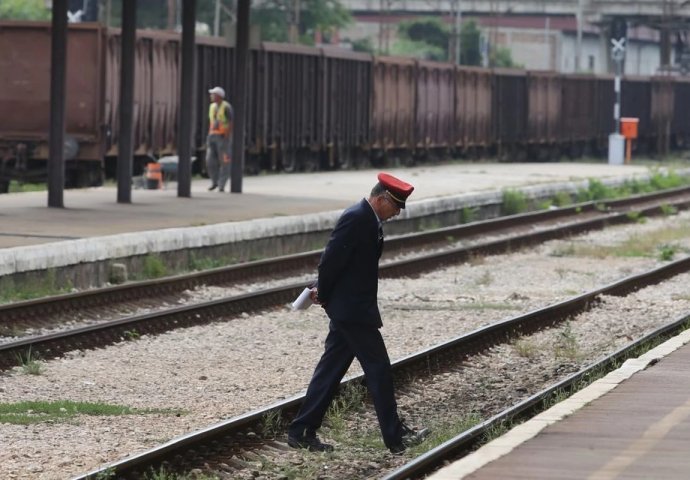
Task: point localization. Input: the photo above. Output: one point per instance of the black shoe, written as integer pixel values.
(221, 190)
(212, 187)
(410, 438)
(311, 443)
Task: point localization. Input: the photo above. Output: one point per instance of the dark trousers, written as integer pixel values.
(343, 344)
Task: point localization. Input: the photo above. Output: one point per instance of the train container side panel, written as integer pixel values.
(636, 98)
(473, 104)
(579, 112)
(25, 92)
(661, 112)
(393, 104)
(111, 94)
(544, 108)
(165, 95)
(156, 96)
(605, 101)
(680, 125)
(347, 97)
(293, 93)
(510, 112)
(435, 105)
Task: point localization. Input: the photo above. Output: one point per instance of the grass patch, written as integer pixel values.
(561, 199)
(272, 424)
(544, 205)
(486, 306)
(514, 202)
(525, 348)
(164, 474)
(659, 243)
(27, 413)
(197, 263)
(130, 335)
(667, 252)
(30, 363)
(668, 210)
(441, 432)
(636, 217)
(153, 267)
(498, 430)
(265, 468)
(485, 279)
(45, 286)
(350, 399)
(596, 190)
(566, 343)
(18, 187)
(468, 214)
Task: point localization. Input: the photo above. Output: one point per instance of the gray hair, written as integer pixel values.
(378, 190)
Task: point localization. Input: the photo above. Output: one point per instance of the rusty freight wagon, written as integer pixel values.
(473, 103)
(393, 109)
(25, 103)
(680, 122)
(311, 107)
(92, 100)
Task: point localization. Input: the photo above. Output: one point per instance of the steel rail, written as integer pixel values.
(458, 446)
(186, 449)
(54, 345)
(31, 311)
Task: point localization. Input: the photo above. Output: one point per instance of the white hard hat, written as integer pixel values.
(218, 91)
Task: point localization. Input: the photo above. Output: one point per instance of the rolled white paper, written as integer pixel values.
(303, 301)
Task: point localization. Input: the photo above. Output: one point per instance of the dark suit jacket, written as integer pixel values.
(349, 268)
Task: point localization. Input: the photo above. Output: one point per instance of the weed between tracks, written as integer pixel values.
(30, 412)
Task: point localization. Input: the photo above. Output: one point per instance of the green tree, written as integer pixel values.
(429, 37)
(23, 10)
(273, 18)
(411, 48)
(469, 46)
(154, 13)
(363, 45)
(502, 57)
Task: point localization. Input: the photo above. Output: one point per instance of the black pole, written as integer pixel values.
(58, 63)
(242, 53)
(124, 143)
(184, 145)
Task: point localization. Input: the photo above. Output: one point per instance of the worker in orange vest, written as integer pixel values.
(219, 140)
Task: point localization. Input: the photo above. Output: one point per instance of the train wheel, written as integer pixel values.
(407, 159)
(345, 159)
(252, 164)
(311, 162)
(360, 160)
(288, 161)
(379, 160)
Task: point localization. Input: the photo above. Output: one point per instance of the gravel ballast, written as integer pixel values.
(214, 372)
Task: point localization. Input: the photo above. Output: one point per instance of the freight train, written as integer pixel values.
(312, 108)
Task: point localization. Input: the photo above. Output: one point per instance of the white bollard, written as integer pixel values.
(616, 149)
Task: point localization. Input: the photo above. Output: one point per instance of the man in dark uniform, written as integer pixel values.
(347, 289)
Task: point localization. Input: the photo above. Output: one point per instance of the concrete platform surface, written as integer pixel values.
(633, 423)
(25, 218)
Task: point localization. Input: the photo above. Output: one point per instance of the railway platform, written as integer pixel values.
(25, 218)
(93, 229)
(632, 424)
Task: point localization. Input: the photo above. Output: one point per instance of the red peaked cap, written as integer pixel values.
(396, 188)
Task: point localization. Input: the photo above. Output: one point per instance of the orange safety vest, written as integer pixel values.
(218, 122)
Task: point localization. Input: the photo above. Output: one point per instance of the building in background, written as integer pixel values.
(535, 42)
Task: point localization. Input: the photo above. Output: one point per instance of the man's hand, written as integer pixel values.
(314, 295)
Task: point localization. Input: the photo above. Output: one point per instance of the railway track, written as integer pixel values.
(231, 445)
(508, 233)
